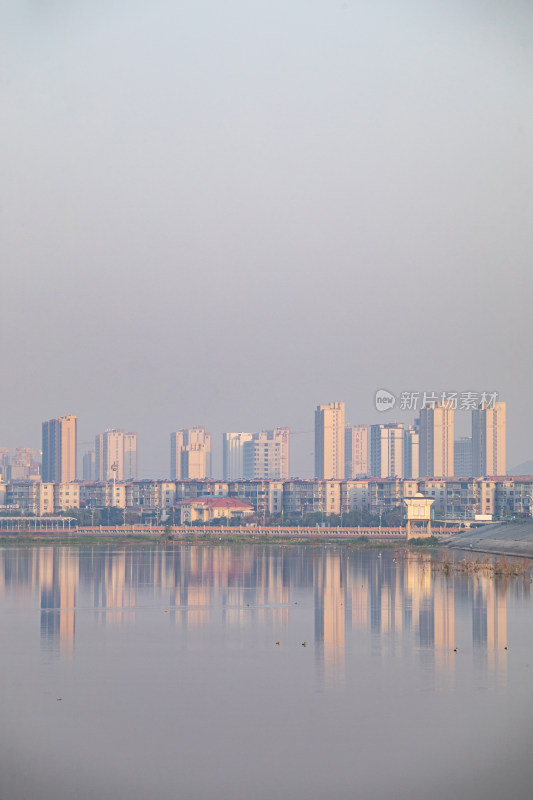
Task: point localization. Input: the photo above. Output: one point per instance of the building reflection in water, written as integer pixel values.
(444, 623)
(113, 592)
(57, 571)
(330, 614)
(395, 600)
(489, 622)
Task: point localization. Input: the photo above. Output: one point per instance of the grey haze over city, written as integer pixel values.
(224, 214)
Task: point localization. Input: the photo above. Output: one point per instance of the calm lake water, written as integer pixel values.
(154, 672)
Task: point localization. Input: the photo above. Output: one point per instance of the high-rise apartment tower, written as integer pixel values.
(59, 450)
(488, 440)
(115, 455)
(190, 454)
(329, 441)
(436, 441)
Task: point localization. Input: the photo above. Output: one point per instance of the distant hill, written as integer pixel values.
(526, 468)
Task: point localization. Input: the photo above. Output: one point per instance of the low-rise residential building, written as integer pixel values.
(385, 495)
(502, 497)
(208, 509)
(66, 496)
(209, 488)
(514, 498)
(30, 497)
(266, 497)
(311, 496)
(355, 495)
(103, 494)
(143, 495)
(436, 489)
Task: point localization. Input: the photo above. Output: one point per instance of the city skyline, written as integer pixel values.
(426, 448)
(302, 437)
(331, 192)
(285, 224)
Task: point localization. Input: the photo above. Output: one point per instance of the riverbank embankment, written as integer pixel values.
(509, 539)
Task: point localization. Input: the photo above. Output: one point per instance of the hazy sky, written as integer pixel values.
(223, 214)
